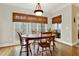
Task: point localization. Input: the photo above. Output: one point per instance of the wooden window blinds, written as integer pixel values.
(57, 19)
(20, 17)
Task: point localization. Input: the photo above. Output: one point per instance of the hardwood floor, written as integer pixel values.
(60, 50)
(7, 51)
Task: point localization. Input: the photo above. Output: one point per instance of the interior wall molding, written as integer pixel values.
(8, 44)
(70, 44)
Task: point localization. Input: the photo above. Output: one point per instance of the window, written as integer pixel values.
(56, 26)
(26, 28)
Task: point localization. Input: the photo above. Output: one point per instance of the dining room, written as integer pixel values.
(47, 34)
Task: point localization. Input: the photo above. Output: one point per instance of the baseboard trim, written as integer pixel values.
(75, 43)
(8, 44)
(59, 40)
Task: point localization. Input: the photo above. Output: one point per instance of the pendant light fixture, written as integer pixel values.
(38, 11)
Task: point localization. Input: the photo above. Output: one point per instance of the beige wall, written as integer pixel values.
(66, 25)
(6, 24)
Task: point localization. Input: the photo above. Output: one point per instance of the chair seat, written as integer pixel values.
(44, 45)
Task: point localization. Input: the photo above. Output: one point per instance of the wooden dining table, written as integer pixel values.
(35, 37)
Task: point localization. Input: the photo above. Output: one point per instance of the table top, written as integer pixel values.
(31, 35)
(34, 36)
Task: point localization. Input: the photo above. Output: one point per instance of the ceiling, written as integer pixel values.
(48, 8)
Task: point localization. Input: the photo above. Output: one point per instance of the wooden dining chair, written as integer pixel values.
(22, 44)
(45, 43)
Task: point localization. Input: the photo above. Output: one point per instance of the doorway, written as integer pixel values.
(78, 30)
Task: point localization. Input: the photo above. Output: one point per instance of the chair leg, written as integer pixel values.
(54, 45)
(20, 51)
(30, 50)
(34, 45)
(37, 49)
(42, 51)
(46, 50)
(50, 51)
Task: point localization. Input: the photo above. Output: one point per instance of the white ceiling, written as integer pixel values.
(48, 8)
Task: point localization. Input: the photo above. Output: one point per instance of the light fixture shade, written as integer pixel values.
(38, 11)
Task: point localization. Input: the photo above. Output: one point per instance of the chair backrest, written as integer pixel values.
(34, 31)
(54, 31)
(20, 38)
(46, 34)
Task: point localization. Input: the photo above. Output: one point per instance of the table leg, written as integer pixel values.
(27, 47)
(53, 44)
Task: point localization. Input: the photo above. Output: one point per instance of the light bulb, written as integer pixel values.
(38, 13)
